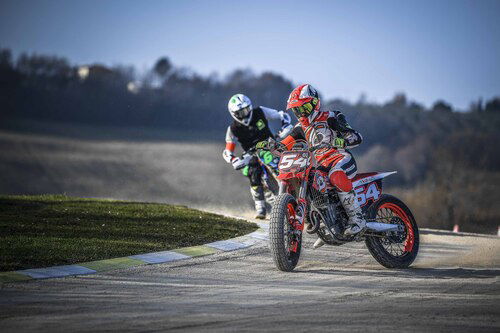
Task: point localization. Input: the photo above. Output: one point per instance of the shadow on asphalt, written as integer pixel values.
(429, 273)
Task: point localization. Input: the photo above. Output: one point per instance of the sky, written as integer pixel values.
(429, 50)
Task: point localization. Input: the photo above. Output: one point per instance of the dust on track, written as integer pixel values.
(458, 250)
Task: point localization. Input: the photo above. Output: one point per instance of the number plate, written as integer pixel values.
(367, 193)
(294, 161)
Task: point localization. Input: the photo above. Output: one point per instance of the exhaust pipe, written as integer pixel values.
(383, 227)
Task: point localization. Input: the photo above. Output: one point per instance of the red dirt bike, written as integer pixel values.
(307, 201)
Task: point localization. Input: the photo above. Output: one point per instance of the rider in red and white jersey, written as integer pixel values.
(328, 127)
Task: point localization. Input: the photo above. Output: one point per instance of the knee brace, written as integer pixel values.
(257, 193)
(340, 181)
(255, 173)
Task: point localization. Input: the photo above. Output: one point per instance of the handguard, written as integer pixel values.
(239, 163)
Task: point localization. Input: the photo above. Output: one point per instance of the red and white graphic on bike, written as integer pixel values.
(294, 161)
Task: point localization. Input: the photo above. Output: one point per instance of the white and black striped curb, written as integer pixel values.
(93, 267)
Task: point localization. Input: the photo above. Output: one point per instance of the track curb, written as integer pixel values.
(98, 266)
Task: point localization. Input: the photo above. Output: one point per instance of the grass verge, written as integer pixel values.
(47, 230)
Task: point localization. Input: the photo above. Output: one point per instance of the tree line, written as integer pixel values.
(41, 87)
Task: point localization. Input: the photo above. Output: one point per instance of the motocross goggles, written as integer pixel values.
(242, 113)
(304, 110)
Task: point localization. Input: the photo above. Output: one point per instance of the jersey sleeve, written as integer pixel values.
(338, 123)
(271, 113)
(279, 121)
(297, 133)
(230, 140)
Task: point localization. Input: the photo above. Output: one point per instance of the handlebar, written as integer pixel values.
(250, 151)
(277, 148)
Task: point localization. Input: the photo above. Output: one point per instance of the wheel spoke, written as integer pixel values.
(391, 243)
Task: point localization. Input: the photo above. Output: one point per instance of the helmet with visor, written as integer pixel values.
(303, 101)
(240, 108)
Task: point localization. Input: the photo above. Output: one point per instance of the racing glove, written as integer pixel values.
(228, 155)
(262, 145)
(269, 144)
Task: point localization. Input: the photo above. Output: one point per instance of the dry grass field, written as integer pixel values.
(182, 173)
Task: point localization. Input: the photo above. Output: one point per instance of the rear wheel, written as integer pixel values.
(394, 249)
(285, 241)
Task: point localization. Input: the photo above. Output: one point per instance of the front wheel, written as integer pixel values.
(394, 249)
(285, 240)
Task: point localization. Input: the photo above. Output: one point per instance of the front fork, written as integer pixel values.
(297, 214)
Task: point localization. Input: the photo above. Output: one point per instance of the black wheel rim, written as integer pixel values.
(393, 243)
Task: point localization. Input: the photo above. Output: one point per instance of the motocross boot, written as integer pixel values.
(260, 208)
(260, 203)
(351, 205)
(318, 243)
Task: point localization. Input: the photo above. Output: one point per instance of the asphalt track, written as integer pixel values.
(453, 286)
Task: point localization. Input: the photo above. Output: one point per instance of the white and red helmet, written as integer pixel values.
(304, 102)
